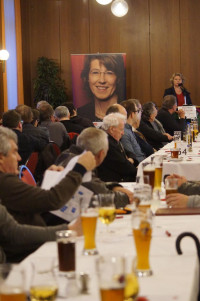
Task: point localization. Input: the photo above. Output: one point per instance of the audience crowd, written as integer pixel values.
(128, 135)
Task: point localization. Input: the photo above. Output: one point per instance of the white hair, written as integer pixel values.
(5, 136)
(112, 119)
(93, 139)
(61, 112)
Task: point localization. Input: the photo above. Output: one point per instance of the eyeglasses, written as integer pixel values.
(97, 73)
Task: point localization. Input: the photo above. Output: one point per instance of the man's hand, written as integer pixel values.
(177, 200)
(168, 136)
(88, 161)
(126, 191)
(181, 179)
(76, 226)
(181, 113)
(130, 160)
(55, 168)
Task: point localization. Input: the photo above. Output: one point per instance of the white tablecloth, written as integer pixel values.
(174, 277)
(189, 167)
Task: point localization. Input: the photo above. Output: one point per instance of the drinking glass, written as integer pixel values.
(142, 230)
(142, 196)
(12, 281)
(111, 277)
(106, 209)
(89, 221)
(142, 179)
(158, 172)
(149, 170)
(171, 185)
(66, 244)
(43, 284)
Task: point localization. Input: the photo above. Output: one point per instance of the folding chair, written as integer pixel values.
(26, 176)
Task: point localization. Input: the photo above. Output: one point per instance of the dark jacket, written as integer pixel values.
(153, 137)
(169, 123)
(88, 111)
(144, 145)
(115, 166)
(95, 185)
(72, 127)
(171, 91)
(41, 133)
(26, 145)
(82, 121)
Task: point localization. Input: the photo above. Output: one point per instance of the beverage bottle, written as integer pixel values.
(189, 138)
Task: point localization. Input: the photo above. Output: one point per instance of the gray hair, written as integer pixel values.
(169, 101)
(92, 139)
(148, 109)
(61, 112)
(6, 134)
(112, 119)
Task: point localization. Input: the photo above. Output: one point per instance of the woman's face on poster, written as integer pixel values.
(102, 82)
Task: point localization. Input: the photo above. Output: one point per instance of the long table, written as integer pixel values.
(188, 167)
(174, 277)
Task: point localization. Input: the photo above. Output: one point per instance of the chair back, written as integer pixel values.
(32, 162)
(26, 176)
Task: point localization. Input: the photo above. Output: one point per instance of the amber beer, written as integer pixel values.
(171, 190)
(149, 170)
(89, 221)
(158, 177)
(115, 294)
(174, 153)
(142, 238)
(18, 296)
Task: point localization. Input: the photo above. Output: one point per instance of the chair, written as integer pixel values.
(26, 176)
(55, 147)
(73, 136)
(32, 162)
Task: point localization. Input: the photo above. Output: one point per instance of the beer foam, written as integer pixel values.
(149, 168)
(90, 214)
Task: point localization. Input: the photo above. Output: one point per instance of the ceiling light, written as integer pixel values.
(104, 2)
(119, 8)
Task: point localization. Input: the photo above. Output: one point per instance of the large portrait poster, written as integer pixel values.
(98, 81)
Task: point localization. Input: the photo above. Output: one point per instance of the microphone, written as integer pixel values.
(181, 86)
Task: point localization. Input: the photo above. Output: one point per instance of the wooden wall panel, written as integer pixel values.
(74, 35)
(190, 45)
(160, 37)
(164, 45)
(129, 35)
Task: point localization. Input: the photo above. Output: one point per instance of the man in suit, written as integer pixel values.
(116, 165)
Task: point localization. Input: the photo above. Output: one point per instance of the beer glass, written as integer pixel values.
(106, 209)
(43, 283)
(142, 231)
(158, 172)
(177, 138)
(111, 277)
(142, 196)
(149, 170)
(171, 185)
(66, 245)
(12, 281)
(89, 221)
(175, 152)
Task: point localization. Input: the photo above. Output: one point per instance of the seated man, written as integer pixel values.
(96, 141)
(62, 115)
(57, 131)
(41, 133)
(188, 196)
(116, 166)
(18, 241)
(26, 202)
(165, 115)
(26, 143)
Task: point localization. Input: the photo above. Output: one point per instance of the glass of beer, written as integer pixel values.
(171, 185)
(142, 196)
(196, 131)
(106, 209)
(66, 245)
(142, 230)
(149, 170)
(158, 172)
(43, 283)
(175, 152)
(111, 277)
(12, 281)
(89, 221)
